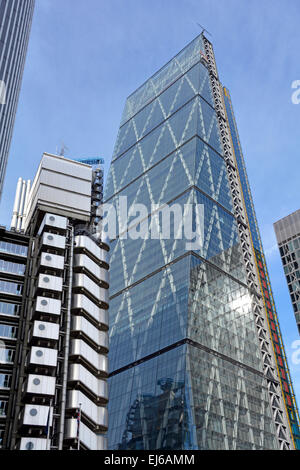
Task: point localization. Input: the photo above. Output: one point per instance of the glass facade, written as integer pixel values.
(7, 355)
(8, 331)
(3, 407)
(12, 268)
(13, 261)
(11, 287)
(2, 431)
(7, 308)
(185, 360)
(13, 248)
(265, 286)
(15, 24)
(5, 380)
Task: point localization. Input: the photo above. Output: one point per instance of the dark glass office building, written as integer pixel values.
(287, 232)
(193, 360)
(15, 24)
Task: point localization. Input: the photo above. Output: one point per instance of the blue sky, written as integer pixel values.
(86, 56)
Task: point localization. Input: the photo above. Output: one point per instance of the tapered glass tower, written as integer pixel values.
(15, 24)
(195, 360)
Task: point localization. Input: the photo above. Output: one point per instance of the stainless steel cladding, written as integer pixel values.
(61, 186)
(96, 414)
(84, 378)
(33, 443)
(89, 344)
(89, 356)
(40, 384)
(37, 415)
(48, 305)
(89, 286)
(43, 356)
(90, 439)
(92, 247)
(64, 363)
(99, 338)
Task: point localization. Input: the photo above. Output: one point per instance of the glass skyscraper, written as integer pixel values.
(195, 360)
(15, 24)
(288, 238)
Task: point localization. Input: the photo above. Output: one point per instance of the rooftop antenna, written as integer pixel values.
(62, 150)
(203, 29)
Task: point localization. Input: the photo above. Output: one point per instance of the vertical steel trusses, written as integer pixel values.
(269, 363)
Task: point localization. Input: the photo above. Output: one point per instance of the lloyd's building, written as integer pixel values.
(196, 355)
(54, 281)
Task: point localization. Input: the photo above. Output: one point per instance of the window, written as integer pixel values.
(2, 430)
(11, 287)
(10, 267)
(3, 407)
(8, 331)
(13, 248)
(7, 355)
(7, 308)
(5, 380)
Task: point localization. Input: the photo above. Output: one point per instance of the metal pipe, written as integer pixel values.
(67, 344)
(13, 224)
(20, 213)
(28, 184)
(48, 444)
(78, 427)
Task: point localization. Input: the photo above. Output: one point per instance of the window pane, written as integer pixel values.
(7, 308)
